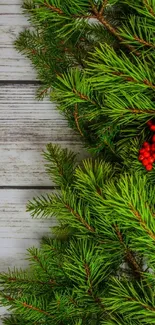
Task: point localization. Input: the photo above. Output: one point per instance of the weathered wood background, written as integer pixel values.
(26, 126)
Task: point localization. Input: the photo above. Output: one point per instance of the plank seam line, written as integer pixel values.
(14, 187)
(20, 82)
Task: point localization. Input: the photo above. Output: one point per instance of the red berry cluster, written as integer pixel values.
(147, 152)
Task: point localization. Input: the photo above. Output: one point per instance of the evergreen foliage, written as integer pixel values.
(99, 268)
(95, 58)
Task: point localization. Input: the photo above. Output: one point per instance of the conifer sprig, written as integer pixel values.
(90, 55)
(101, 270)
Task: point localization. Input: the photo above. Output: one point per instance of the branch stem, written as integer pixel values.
(111, 29)
(81, 219)
(149, 8)
(76, 119)
(103, 7)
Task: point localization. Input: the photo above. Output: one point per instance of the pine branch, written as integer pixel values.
(61, 12)
(112, 30)
(129, 256)
(105, 2)
(145, 43)
(83, 97)
(130, 79)
(133, 297)
(97, 192)
(36, 258)
(33, 308)
(149, 8)
(143, 224)
(79, 218)
(61, 164)
(81, 276)
(54, 9)
(76, 119)
(24, 280)
(106, 62)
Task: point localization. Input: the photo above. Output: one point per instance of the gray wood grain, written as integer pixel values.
(26, 126)
(13, 8)
(11, 2)
(18, 231)
(13, 66)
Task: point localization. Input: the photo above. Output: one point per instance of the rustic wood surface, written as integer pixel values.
(26, 126)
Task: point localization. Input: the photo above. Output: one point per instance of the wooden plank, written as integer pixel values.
(13, 66)
(12, 2)
(8, 35)
(18, 231)
(26, 126)
(13, 9)
(13, 20)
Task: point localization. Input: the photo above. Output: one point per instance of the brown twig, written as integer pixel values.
(148, 83)
(141, 303)
(33, 51)
(9, 298)
(130, 79)
(87, 269)
(142, 41)
(81, 219)
(121, 74)
(24, 304)
(40, 263)
(141, 111)
(60, 167)
(90, 290)
(142, 223)
(44, 91)
(60, 12)
(129, 257)
(103, 7)
(76, 119)
(112, 30)
(148, 7)
(83, 97)
(53, 8)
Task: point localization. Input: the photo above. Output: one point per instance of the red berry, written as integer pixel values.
(149, 167)
(153, 156)
(148, 148)
(146, 154)
(146, 144)
(149, 123)
(141, 157)
(151, 160)
(153, 138)
(145, 162)
(152, 128)
(153, 147)
(141, 151)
